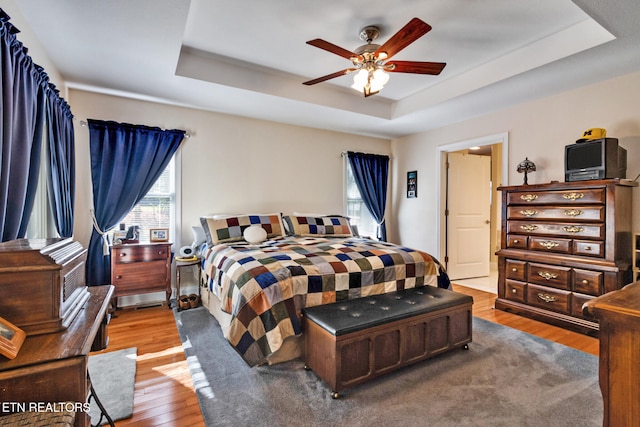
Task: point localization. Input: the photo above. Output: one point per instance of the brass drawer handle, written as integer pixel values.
(572, 229)
(122, 254)
(587, 248)
(572, 212)
(514, 290)
(549, 244)
(516, 241)
(547, 298)
(573, 196)
(529, 227)
(529, 212)
(529, 197)
(514, 269)
(585, 282)
(546, 275)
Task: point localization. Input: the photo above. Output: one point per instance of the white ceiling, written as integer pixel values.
(250, 58)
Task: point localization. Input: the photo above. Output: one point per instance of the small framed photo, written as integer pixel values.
(412, 184)
(11, 338)
(159, 235)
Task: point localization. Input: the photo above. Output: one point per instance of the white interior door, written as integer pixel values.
(469, 209)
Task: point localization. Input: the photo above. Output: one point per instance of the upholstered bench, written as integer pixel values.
(349, 342)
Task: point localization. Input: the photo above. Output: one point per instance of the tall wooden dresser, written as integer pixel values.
(563, 244)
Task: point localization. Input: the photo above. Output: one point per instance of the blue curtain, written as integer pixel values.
(126, 160)
(371, 173)
(21, 111)
(61, 178)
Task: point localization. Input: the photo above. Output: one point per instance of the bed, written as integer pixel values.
(257, 290)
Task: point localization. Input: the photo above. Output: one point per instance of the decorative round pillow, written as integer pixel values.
(255, 234)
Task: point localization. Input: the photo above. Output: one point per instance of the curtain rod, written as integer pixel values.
(84, 124)
(344, 154)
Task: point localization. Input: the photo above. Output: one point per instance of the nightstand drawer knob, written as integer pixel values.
(122, 254)
(585, 282)
(514, 290)
(514, 269)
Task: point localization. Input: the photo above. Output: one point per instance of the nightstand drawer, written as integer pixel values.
(137, 276)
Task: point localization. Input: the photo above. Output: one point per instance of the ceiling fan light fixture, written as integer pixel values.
(370, 82)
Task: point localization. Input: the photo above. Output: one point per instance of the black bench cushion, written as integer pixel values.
(344, 317)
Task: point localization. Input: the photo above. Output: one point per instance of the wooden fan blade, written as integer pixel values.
(329, 76)
(415, 67)
(411, 32)
(330, 47)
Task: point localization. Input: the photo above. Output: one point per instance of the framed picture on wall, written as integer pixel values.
(11, 338)
(412, 184)
(159, 235)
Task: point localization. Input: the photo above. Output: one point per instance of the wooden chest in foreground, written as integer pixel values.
(42, 283)
(347, 343)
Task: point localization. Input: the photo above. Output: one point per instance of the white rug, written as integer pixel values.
(113, 378)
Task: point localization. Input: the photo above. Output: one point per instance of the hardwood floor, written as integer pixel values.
(164, 393)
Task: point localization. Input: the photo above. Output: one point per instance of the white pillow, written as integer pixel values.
(255, 234)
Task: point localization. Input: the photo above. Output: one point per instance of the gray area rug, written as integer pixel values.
(113, 378)
(506, 378)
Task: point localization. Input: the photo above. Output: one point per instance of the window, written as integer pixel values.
(158, 208)
(356, 209)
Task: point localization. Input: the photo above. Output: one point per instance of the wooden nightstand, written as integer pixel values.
(140, 268)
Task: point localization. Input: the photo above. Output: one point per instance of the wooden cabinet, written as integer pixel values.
(563, 244)
(141, 268)
(42, 283)
(52, 367)
(618, 314)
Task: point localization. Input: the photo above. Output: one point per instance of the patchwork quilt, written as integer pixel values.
(264, 287)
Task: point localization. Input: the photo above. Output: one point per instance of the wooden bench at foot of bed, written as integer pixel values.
(349, 342)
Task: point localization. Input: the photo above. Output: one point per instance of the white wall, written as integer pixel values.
(229, 164)
(538, 130)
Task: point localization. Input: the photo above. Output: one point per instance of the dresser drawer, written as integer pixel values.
(582, 196)
(516, 270)
(549, 275)
(578, 230)
(146, 253)
(132, 277)
(515, 291)
(587, 281)
(517, 241)
(559, 213)
(589, 248)
(548, 298)
(577, 301)
(562, 246)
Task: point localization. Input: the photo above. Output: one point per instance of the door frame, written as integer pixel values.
(441, 170)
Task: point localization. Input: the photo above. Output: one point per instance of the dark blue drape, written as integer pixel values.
(126, 160)
(371, 173)
(21, 105)
(62, 168)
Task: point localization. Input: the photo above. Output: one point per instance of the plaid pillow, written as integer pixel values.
(230, 228)
(337, 226)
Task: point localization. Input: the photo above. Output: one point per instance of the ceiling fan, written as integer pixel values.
(371, 61)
